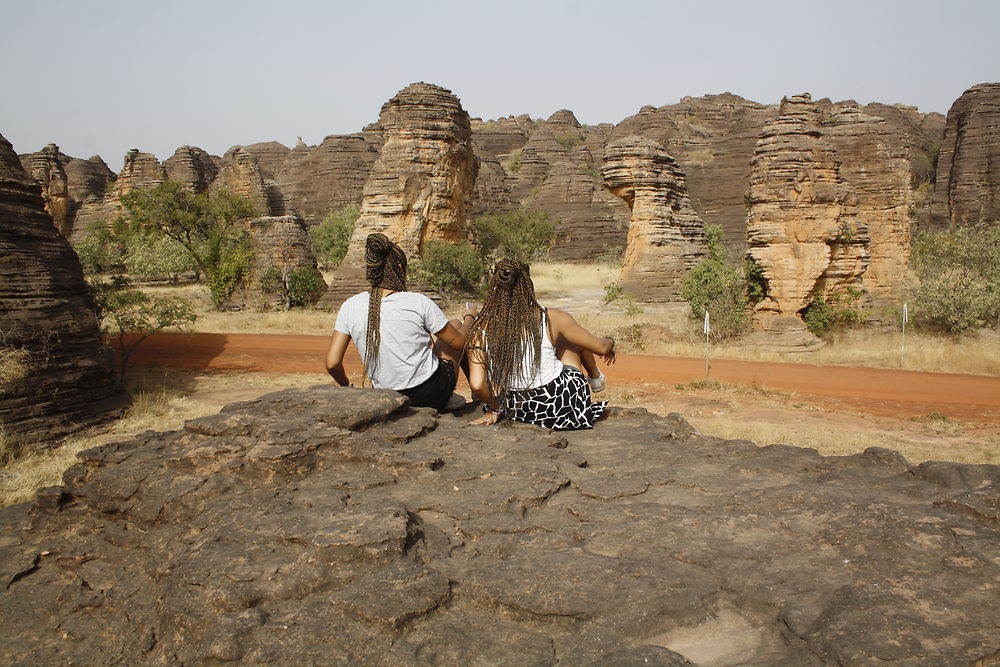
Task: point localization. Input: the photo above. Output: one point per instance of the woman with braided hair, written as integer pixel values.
(525, 361)
(393, 329)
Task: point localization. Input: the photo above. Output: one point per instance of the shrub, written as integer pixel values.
(719, 285)
(151, 255)
(231, 271)
(448, 267)
(569, 140)
(957, 278)
(838, 309)
(525, 234)
(300, 287)
(98, 251)
(331, 237)
(514, 163)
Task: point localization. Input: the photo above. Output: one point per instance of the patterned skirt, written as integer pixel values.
(562, 405)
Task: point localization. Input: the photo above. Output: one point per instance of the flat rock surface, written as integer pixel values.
(340, 526)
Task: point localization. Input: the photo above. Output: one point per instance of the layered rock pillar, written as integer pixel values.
(967, 189)
(282, 252)
(47, 315)
(421, 186)
(666, 238)
(802, 224)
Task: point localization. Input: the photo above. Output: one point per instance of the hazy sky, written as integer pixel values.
(104, 76)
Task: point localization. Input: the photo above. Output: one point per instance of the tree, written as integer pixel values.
(957, 277)
(447, 267)
(204, 225)
(124, 311)
(722, 285)
(331, 237)
(525, 234)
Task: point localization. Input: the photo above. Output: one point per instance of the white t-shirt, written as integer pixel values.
(405, 356)
(549, 366)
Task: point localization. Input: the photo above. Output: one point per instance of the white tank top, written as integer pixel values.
(549, 367)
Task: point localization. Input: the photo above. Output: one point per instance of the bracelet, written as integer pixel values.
(468, 315)
(487, 408)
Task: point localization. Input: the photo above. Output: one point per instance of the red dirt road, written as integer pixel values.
(875, 391)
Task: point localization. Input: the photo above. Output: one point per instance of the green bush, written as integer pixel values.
(525, 234)
(331, 237)
(99, 251)
(957, 278)
(719, 284)
(231, 271)
(838, 309)
(151, 255)
(449, 267)
(569, 140)
(300, 287)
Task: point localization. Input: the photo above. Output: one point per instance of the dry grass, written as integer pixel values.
(162, 399)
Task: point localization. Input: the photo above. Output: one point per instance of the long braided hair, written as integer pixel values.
(509, 325)
(385, 267)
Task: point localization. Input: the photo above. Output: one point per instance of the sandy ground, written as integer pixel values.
(934, 415)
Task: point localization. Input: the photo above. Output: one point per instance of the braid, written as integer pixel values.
(385, 267)
(509, 325)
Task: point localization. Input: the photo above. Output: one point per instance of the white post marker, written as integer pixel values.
(707, 329)
(902, 347)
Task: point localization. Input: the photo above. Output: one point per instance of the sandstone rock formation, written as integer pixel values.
(140, 170)
(316, 181)
(420, 188)
(241, 174)
(47, 169)
(967, 190)
(281, 246)
(88, 179)
(802, 224)
(192, 167)
(666, 238)
(339, 525)
(712, 138)
(46, 310)
(875, 162)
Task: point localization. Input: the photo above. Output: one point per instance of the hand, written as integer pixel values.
(470, 309)
(611, 356)
(488, 418)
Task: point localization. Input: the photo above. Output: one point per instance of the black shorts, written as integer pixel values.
(435, 391)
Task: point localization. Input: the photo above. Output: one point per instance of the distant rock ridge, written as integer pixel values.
(45, 309)
(335, 524)
(666, 238)
(421, 186)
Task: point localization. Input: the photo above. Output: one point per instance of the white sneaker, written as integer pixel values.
(454, 403)
(597, 384)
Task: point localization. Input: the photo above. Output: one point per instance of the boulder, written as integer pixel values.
(420, 188)
(339, 525)
(666, 238)
(802, 223)
(46, 311)
(967, 190)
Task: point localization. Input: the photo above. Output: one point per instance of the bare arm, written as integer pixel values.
(335, 358)
(481, 387)
(564, 325)
(452, 336)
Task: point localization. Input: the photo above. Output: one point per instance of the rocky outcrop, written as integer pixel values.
(45, 309)
(802, 224)
(242, 175)
(192, 167)
(875, 162)
(420, 188)
(339, 524)
(282, 255)
(140, 170)
(46, 168)
(666, 238)
(967, 190)
(318, 180)
(88, 179)
(712, 138)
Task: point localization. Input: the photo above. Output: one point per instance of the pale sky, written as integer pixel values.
(104, 76)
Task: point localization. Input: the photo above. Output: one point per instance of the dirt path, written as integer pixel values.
(873, 391)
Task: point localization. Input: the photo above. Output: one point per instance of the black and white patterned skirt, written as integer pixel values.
(562, 405)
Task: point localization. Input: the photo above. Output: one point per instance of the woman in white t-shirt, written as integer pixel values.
(515, 368)
(395, 339)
